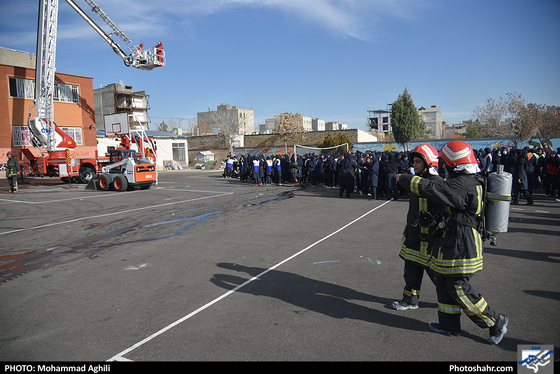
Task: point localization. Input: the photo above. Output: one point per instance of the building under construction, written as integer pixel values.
(120, 98)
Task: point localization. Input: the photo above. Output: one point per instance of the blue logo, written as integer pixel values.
(535, 359)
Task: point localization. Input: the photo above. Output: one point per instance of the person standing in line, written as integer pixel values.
(520, 183)
(457, 253)
(390, 183)
(257, 181)
(347, 174)
(269, 170)
(551, 171)
(374, 175)
(294, 170)
(277, 164)
(487, 163)
(420, 231)
(12, 172)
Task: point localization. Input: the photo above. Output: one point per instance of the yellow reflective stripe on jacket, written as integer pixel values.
(414, 182)
(480, 200)
(456, 266)
(419, 256)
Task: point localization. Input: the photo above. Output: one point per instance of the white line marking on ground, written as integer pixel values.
(130, 267)
(113, 213)
(59, 200)
(119, 356)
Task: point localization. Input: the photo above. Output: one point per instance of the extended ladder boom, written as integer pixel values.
(127, 59)
(42, 125)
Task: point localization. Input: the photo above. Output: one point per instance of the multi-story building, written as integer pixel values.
(433, 120)
(120, 98)
(207, 121)
(318, 124)
(305, 121)
(380, 120)
(73, 107)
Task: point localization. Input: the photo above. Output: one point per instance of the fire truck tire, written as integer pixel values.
(104, 182)
(120, 183)
(86, 173)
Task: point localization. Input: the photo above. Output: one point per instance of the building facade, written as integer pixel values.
(208, 122)
(433, 120)
(379, 120)
(74, 109)
(120, 98)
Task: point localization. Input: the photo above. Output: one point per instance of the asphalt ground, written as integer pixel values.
(202, 268)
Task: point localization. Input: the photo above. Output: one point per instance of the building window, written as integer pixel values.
(25, 89)
(178, 151)
(22, 136)
(75, 133)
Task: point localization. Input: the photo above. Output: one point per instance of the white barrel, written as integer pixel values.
(499, 197)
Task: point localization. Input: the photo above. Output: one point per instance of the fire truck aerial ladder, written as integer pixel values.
(42, 126)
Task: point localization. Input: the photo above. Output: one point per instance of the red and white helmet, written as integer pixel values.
(427, 153)
(457, 152)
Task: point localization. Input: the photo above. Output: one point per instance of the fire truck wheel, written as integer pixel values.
(104, 182)
(86, 173)
(120, 183)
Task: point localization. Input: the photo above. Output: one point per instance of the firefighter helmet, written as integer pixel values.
(427, 153)
(457, 152)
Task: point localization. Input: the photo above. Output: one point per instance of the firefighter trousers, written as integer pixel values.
(413, 275)
(13, 181)
(456, 294)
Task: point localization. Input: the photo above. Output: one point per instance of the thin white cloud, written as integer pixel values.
(143, 18)
(350, 18)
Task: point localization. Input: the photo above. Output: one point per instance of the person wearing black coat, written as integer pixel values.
(374, 176)
(520, 183)
(390, 183)
(12, 171)
(347, 174)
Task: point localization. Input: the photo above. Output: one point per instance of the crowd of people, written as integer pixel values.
(532, 168)
(444, 234)
(372, 173)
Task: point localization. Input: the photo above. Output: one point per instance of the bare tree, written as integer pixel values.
(229, 123)
(544, 120)
(191, 126)
(290, 125)
(503, 118)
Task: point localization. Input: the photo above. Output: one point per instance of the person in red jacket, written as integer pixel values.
(159, 51)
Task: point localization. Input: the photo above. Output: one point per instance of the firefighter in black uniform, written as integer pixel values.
(420, 231)
(457, 253)
(12, 171)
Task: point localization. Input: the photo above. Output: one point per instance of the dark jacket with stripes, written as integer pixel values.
(458, 250)
(418, 238)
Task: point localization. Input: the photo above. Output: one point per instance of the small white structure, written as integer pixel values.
(204, 156)
(170, 148)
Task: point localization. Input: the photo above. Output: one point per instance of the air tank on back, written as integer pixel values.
(497, 206)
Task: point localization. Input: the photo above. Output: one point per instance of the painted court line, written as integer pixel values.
(59, 200)
(119, 356)
(114, 213)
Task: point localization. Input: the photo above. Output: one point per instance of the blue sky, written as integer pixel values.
(332, 59)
